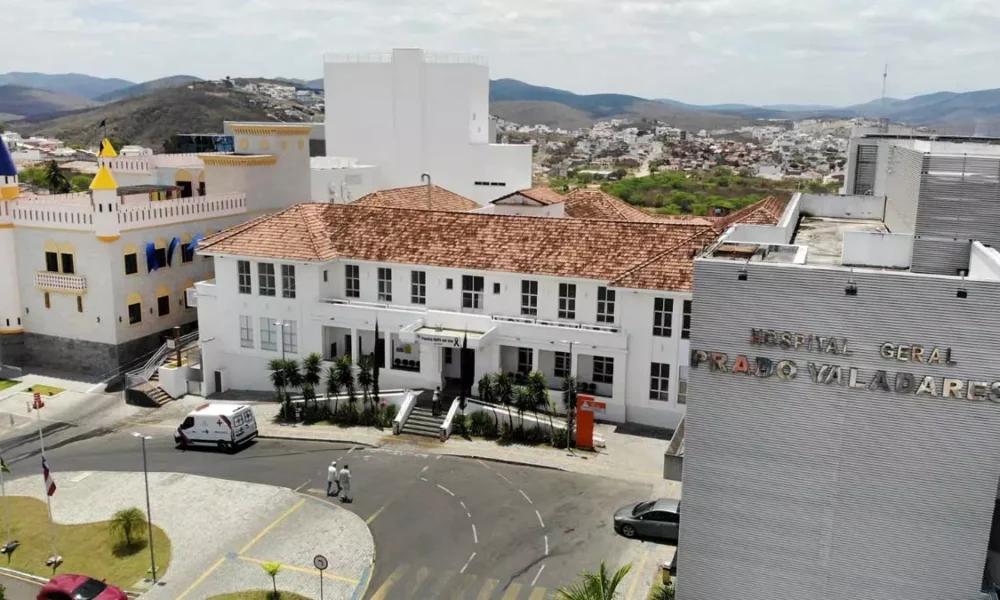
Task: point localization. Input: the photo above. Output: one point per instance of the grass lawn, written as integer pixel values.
(6, 383)
(44, 390)
(86, 549)
(259, 595)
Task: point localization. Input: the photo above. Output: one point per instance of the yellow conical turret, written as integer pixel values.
(107, 150)
(104, 180)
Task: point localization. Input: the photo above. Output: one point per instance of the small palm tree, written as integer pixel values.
(539, 389)
(293, 380)
(55, 179)
(503, 388)
(365, 378)
(487, 394)
(522, 401)
(311, 367)
(569, 401)
(601, 585)
(277, 368)
(272, 569)
(332, 385)
(128, 523)
(345, 378)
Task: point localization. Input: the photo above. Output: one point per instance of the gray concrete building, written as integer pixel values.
(842, 439)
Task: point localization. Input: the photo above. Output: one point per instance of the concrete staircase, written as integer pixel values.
(156, 394)
(422, 421)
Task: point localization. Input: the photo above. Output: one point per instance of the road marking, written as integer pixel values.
(390, 581)
(451, 493)
(421, 576)
(303, 485)
(423, 479)
(424, 470)
(636, 576)
(19, 577)
(475, 536)
(538, 593)
(439, 587)
(487, 591)
(353, 448)
(540, 521)
(546, 545)
(535, 580)
(526, 497)
(512, 592)
(464, 567)
(202, 578)
(272, 526)
(311, 571)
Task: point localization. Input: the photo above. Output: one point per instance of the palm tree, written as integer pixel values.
(596, 586)
(488, 395)
(277, 368)
(293, 380)
(503, 389)
(55, 179)
(127, 522)
(523, 401)
(569, 400)
(311, 367)
(539, 389)
(345, 378)
(332, 385)
(272, 569)
(365, 378)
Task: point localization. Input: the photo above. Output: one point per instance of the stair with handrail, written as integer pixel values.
(142, 386)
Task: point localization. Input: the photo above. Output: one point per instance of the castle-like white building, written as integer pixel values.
(91, 282)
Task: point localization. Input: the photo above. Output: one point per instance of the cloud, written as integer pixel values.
(762, 51)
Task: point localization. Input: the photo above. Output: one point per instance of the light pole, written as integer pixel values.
(281, 328)
(149, 516)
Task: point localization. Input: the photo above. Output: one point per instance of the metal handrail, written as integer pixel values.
(160, 357)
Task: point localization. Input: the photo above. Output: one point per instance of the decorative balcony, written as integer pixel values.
(61, 283)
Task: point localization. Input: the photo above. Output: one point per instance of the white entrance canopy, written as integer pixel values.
(453, 338)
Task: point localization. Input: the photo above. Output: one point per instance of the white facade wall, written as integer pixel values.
(343, 185)
(412, 114)
(321, 322)
(528, 210)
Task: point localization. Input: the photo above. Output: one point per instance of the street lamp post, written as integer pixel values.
(281, 328)
(149, 515)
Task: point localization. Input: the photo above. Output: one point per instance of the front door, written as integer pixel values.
(218, 382)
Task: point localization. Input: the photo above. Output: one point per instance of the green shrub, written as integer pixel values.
(389, 414)
(663, 592)
(460, 425)
(480, 423)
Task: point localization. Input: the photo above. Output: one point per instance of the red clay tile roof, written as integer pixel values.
(583, 203)
(541, 195)
(649, 255)
(416, 197)
(766, 212)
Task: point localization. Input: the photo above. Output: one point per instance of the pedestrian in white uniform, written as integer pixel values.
(345, 484)
(332, 479)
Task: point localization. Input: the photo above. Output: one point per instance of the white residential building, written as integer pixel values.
(92, 281)
(411, 114)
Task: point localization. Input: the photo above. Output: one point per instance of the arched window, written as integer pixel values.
(162, 301)
(131, 258)
(133, 305)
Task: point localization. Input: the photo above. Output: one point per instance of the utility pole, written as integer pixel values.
(149, 514)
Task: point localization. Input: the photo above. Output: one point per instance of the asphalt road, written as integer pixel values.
(444, 527)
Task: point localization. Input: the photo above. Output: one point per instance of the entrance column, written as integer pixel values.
(534, 358)
(387, 351)
(354, 346)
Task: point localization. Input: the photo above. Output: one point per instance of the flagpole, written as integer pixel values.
(48, 499)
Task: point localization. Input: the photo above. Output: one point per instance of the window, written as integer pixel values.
(567, 300)
(472, 292)
(134, 313)
(352, 281)
(384, 284)
(659, 381)
(131, 264)
(268, 334)
(163, 306)
(529, 297)
(246, 331)
(563, 363)
(496, 288)
(663, 314)
(325, 276)
(48, 300)
(447, 356)
(67, 263)
(605, 305)
(682, 386)
(52, 262)
(686, 322)
(287, 281)
(161, 258)
(79, 304)
(290, 337)
(448, 284)
(524, 360)
(418, 287)
(187, 252)
(246, 285)
(604, 369)
(265, 279)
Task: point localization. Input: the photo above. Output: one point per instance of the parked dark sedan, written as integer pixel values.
(654, 519)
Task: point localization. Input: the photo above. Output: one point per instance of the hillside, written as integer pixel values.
(73, 84)
(536, 112)
(32, 102)
(146, 87)
(149, 120)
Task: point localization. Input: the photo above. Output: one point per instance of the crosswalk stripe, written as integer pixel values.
(538, 593)
(467, 580)
(512, 592)
(421, 576)
(439, 587)
(487, 591)
(390, 581)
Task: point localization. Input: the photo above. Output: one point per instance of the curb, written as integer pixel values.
(509, 462)
(300, 438)
(36, 579)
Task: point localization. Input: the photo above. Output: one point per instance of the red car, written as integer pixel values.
(79, 587)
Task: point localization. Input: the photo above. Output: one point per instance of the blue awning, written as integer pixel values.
(151, 257)
(194, 241)
(170, 250)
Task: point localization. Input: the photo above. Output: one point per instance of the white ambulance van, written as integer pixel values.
(225, 426)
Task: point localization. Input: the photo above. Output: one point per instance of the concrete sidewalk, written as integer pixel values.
(222, 531)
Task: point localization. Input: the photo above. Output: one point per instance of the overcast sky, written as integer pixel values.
(699, 51)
